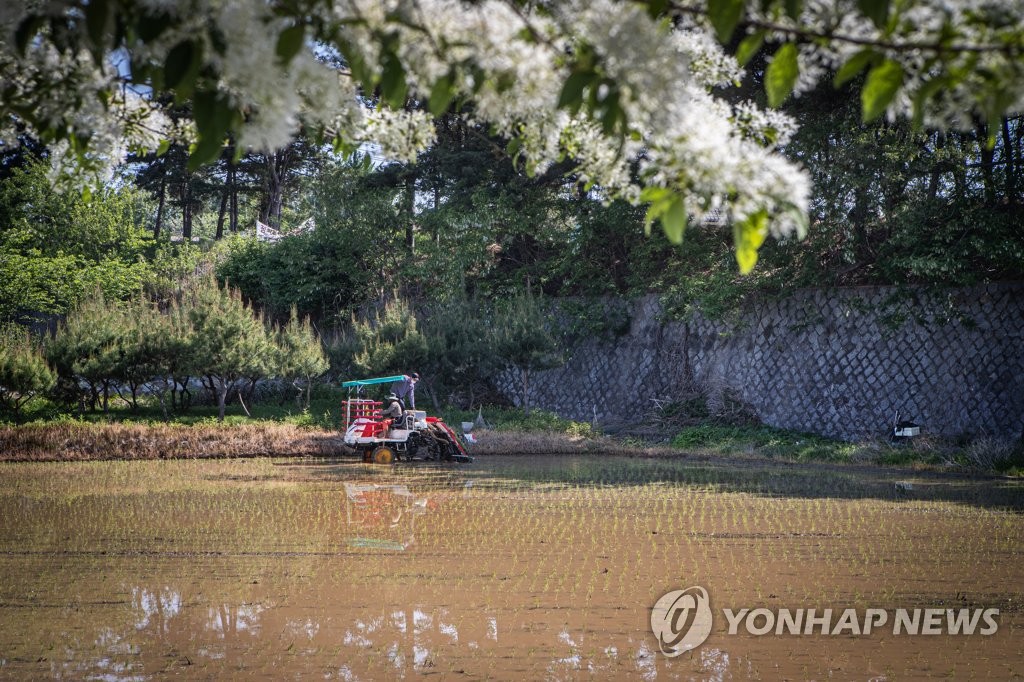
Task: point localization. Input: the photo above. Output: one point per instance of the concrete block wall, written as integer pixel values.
(834, 362)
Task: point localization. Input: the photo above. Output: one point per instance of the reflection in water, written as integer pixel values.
(383, 515)
(715, 663)
(226, 620)
(646, 663)
(155, 607)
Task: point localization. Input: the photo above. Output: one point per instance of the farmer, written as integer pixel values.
(392, 408)
(405, 388)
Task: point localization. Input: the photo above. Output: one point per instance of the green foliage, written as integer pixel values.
(880, 89)
(353, 254)
(24, 372)
(460, 354)
(109, 225)
(301, 355)
(230, 342)
(134, 347)
(88, 350)
(781, 75)
(766, 441)
(589, 319)
(502, 418)
(525, 340)
(112, 348)
(895, 206)
(174, 266)
(388, 342)
(55, 249)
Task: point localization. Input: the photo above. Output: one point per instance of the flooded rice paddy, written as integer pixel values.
(510, 568)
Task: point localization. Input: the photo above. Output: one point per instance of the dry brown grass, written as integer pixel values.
(77, 442)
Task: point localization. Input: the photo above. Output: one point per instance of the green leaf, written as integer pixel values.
(393, 87)
(179, 63)
(875, 10)
(724, 15)
(793, 8)
(290, 42)
(853, 66)
(218, 41)
(749, 46)
(883, 83)
(441, 95)
(800, 218)
(572, 92)
(213, 116)
(654, 212)
(653, 194)
(660, 199)
(612, 113)
(781, 75)
(673, 221)
(164, 146)
(361, 72)
(655, 8)
(203, 107)
(206, 150)
(921, 97)
(748, 236)
(150, 26)
(96, 14)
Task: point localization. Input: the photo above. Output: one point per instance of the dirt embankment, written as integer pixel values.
(80, 442)
(76, 442)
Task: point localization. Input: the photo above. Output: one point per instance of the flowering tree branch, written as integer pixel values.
(625, 90)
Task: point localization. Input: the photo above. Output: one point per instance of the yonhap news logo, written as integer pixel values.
(682, 620)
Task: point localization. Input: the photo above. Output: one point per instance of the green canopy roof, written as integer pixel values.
(371, 382)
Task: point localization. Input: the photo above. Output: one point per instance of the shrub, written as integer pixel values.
(24, 372)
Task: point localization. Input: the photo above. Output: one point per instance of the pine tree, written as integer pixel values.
(525, 342)
(301, 356)
(24, 372)
(389, 342)
(229, 343)
(88, 349)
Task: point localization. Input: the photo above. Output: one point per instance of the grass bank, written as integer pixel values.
(73, 441)
(276, 429)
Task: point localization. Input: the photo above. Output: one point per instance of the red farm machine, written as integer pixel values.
(384, 440)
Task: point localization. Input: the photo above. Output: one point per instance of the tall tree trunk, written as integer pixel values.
(222, 211)
(936, 175)
(988, 156)
(859, 220)
(160, 205)
(233, 211)
(222, 398)
(277, 166)
(410, 216)
(1011, 163)
(525, 375)
(186, 210)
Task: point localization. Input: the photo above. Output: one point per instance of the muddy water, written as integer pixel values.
(511, 568)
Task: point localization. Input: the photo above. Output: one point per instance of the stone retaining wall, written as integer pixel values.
(838, 363)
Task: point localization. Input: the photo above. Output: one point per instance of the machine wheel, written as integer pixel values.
(383, 455)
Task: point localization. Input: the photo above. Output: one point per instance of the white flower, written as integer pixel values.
(402, 135)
